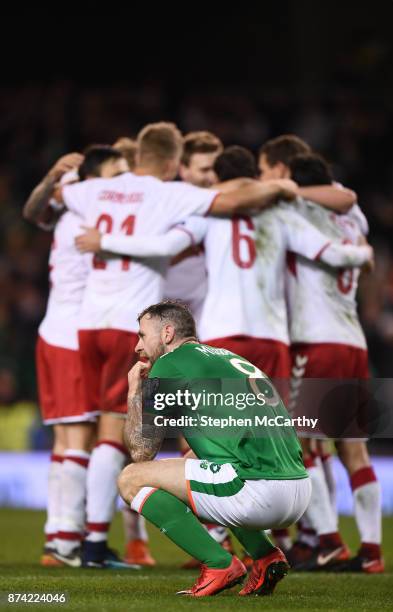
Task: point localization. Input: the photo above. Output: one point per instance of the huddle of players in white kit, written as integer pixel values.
(247, 296)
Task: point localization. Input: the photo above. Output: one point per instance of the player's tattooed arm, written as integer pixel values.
(141, 436)
(38, 204)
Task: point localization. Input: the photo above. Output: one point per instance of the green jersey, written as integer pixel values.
(258, 445)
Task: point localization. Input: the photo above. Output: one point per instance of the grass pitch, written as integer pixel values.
(154, 589)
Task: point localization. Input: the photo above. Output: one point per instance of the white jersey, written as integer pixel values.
(68, 275)
(245, 260)
(186, 280)
(119, 288)
(322, 300)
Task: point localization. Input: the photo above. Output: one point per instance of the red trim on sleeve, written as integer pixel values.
(318, 255)
(211, 204)
(186, 231)
(362, 477)
(291, 263)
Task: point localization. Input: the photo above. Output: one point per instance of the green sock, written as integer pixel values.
(256, 543)
(175, 519)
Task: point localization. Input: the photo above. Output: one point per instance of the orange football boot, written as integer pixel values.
(212, 581)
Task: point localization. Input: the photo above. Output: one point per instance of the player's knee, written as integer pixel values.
(129, 482)
(124, 483)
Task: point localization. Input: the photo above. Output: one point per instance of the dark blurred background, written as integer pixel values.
(79, 74)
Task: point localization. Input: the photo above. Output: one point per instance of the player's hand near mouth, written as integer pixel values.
(138, 372)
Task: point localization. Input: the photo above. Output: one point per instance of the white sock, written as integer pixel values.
(73, 500)
(134, 525)
(282, 539)
(327, 465)
(319, 512)
(368, 510)
(217, 532)
(106, 463)
(54, 500)
(306, 533)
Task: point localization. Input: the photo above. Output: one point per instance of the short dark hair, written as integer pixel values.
(235, 162)
(175, 312)
(199, 142)
(283, 149)
(95, 156)
(310, 169)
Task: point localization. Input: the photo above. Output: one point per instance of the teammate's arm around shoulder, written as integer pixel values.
(38, 203)
(189, 233)
(305, 239)
(334, 196)
(252, 194)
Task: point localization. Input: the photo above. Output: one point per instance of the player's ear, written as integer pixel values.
(182, 171)
(284, 170)
(168, 333)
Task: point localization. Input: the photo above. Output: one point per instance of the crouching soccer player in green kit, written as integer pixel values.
(243, 480)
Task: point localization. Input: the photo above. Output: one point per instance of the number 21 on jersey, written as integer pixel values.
(105, 225)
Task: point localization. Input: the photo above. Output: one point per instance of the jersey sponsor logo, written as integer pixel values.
(213, 467)
(121, 198)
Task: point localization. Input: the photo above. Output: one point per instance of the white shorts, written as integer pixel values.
(216, 494)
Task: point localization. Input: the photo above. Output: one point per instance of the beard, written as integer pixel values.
(156, 353)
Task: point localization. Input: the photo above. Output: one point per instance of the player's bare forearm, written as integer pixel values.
(142, 438)
(335, 197)
(232, 185)
(254, 195)
(38, 202)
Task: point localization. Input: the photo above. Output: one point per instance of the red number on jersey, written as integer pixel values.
(345, 280)
(248, 250)
(128, 227)
(345, 276)
(104, 224)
